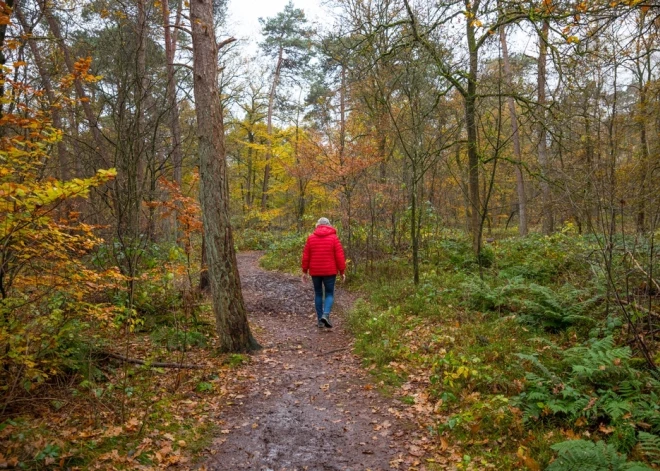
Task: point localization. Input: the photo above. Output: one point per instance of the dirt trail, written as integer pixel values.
(307, 404)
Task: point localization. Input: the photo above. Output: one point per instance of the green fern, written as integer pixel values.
(595, 383)
(650, 446)
(583, 455)
(535, 304)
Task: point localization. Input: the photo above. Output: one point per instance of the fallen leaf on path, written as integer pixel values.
(443, 444)
(132, 424)
(416, 451)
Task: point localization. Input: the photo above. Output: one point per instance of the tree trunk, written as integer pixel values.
(642, 68)
(228, 306)
(143, 162)
(644, 146)
(173, 105)
(473, 155)
(414, 233)
(56, 115)
(269, 128)
(548, 219)
(54, 26)
(515, 137)
(175, 126)
(204, 282)
(3, 59)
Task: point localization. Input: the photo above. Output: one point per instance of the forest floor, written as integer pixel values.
(306, 403)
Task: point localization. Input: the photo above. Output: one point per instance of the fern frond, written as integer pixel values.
(583, 455)
(650, 446)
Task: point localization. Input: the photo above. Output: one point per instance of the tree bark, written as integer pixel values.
(515, 137)
(548, 218)
(228, 306)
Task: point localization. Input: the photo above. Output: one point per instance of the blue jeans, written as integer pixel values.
(327, 282)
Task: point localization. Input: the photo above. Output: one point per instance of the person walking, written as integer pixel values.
(323, 257)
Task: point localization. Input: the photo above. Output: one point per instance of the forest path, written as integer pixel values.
(306, 404)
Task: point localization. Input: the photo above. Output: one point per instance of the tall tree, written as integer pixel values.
(464, 79)
(422, 132)
(47, 81)
(515, 136)
(228, 305)
(90, 115)
(542, 134)
(171, 35)
(287, 42)
(5, 15)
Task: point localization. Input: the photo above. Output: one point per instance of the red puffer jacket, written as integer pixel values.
(323, 254)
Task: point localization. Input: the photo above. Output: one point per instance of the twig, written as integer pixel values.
(155, 364)
(332, 351)
(640, 308)
(639, 267)
(646, 334)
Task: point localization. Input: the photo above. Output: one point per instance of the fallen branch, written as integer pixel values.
(155, 364)
(637, 307)
(332, 351)
(640, 268)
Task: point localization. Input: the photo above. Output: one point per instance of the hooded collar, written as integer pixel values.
(322, 231)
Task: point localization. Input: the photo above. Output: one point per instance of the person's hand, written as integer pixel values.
(343, 277)
(303, 278)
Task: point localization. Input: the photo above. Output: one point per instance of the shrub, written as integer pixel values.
(535, 304)
(594, 384)
(285, 254)
(541, 259)
(177, 339)
(254, 239)
(378, 333)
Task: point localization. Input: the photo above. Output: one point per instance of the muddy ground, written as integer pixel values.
(306, 403)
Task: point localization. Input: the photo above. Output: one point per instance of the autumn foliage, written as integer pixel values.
(45, 276)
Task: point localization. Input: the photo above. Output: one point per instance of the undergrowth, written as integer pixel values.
(521, 363)
(284, 254)
(95, 412)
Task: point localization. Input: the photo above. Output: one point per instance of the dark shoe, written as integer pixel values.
(326, 321)
(320, 325)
